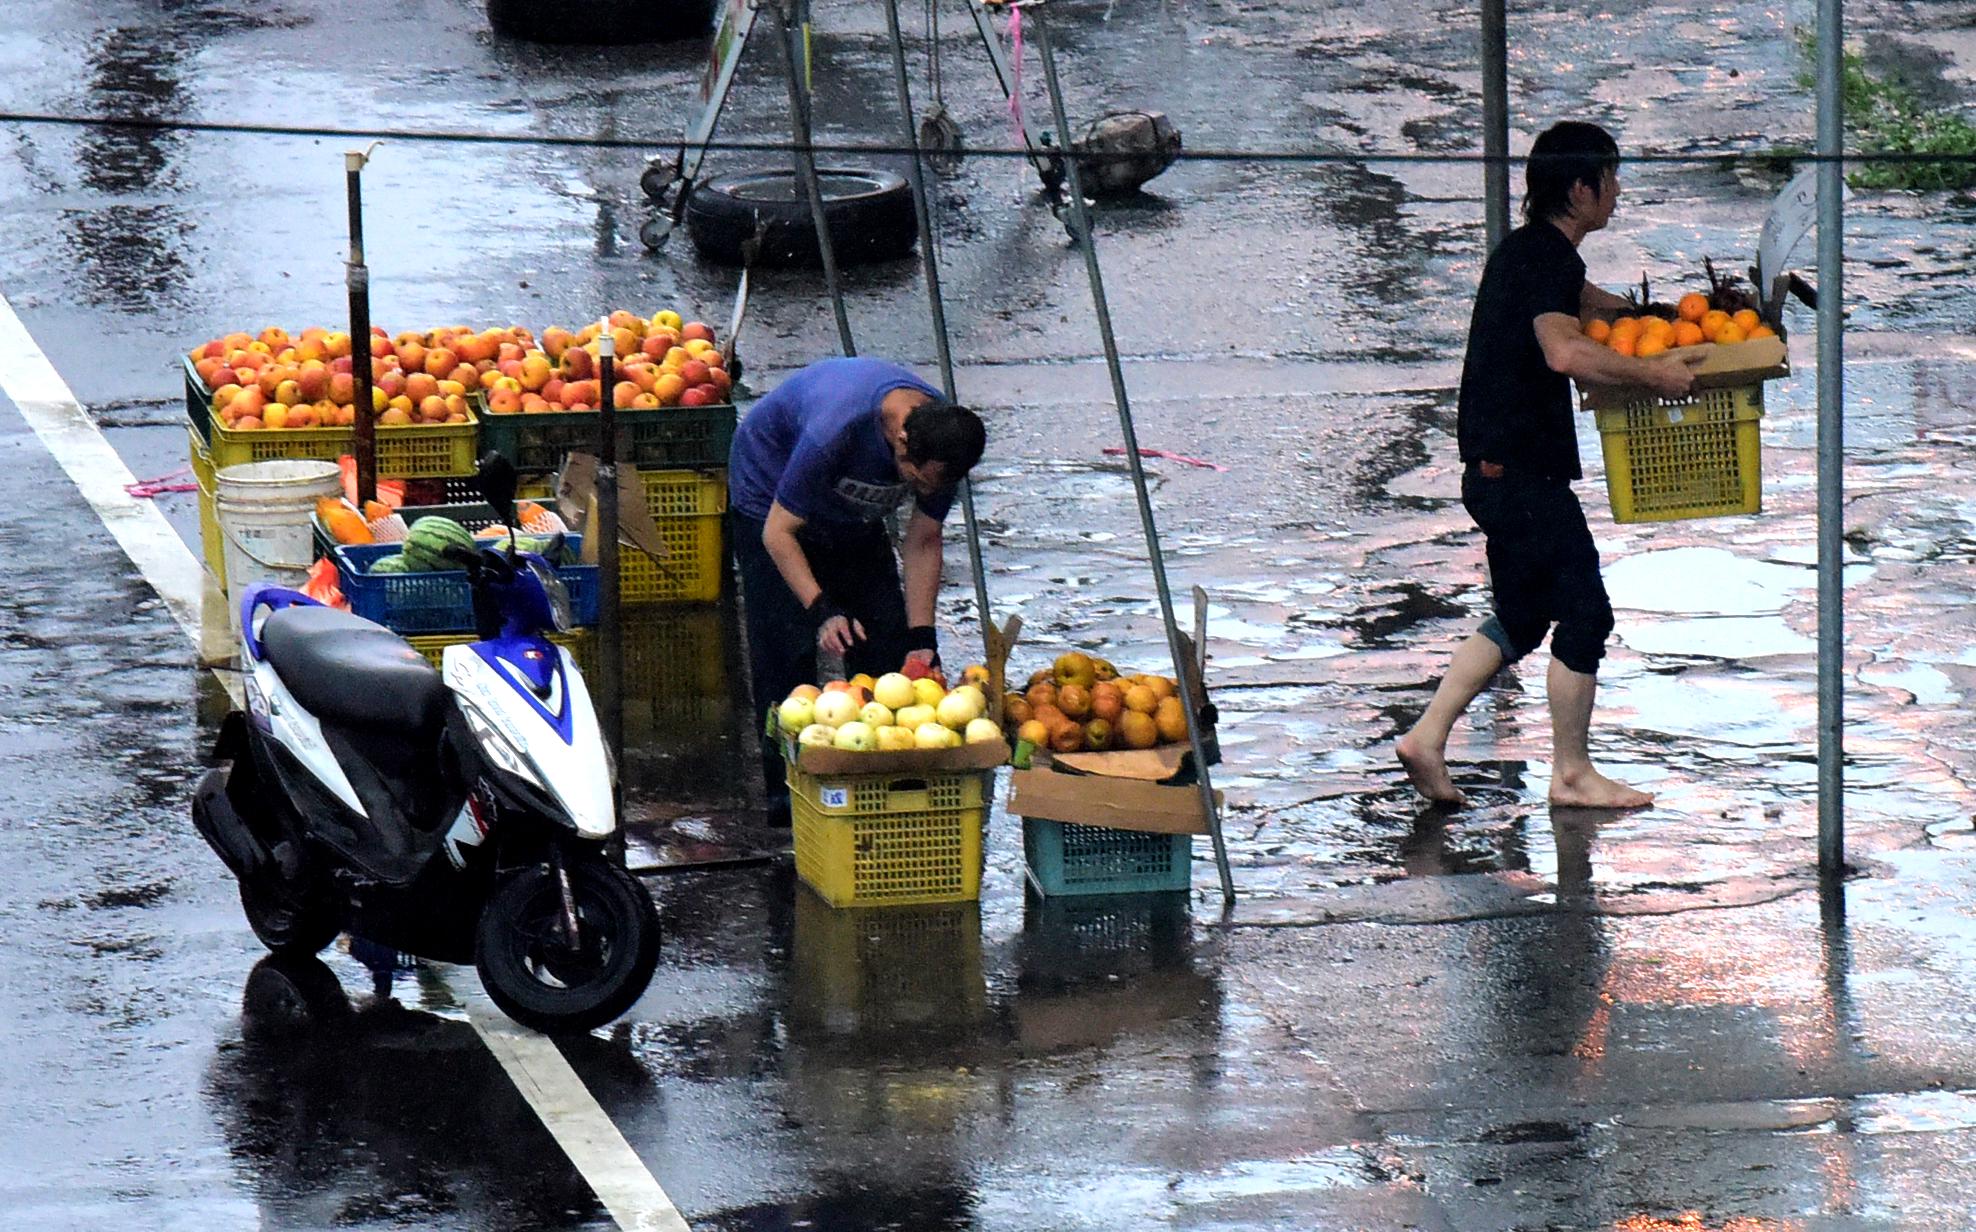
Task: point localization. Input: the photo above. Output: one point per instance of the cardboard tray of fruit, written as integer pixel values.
(898, 723)
(1741, 342)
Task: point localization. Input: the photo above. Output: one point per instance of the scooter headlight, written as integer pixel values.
(499, 749)
(558, 594)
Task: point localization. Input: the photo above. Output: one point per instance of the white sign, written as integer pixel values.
(1791, 217)
(835, 797)
(737, 18)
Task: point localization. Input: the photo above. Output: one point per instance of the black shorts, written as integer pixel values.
(1543, 568)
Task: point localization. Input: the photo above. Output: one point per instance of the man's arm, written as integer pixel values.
(1594, 300)
(920, 562)
(835, 632)
(1570, 352)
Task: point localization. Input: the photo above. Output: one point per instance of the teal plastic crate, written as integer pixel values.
(1066, 859)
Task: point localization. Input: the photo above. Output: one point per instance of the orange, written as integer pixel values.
(1692, 307)
(1597, 330)
(1746, 320)
(1629, 326)
(1763, 331)
(1626, 345)
(1711, 321)
(1649, 347)
(1687, 333)
(1655, 327)
(1729, 333)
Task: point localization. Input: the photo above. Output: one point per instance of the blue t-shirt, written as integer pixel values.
(814, 445)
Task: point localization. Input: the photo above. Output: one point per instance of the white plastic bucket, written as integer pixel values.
(263, 509)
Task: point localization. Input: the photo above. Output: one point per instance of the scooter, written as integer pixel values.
(461, 815)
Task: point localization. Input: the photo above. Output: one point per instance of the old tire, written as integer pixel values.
(600, 21)
(525, 968)
(869, 215)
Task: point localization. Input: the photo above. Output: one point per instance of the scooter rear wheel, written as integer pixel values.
(530, 972)
(285, 925)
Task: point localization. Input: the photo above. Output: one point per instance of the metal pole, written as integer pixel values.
(357, 278)
(1087, 240)
(922, 211)
(1495, 121)
(609, 649)
(799, 125)
(1831, 442)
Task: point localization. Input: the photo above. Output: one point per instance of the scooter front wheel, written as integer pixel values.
(528, 966)
(285, 924)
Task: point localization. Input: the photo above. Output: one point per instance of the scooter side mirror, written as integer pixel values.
(496, 481)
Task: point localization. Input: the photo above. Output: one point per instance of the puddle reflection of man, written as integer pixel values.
(1519, 454)
(814, 470)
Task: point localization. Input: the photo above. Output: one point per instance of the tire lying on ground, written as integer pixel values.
(869, 215)
(600, 21)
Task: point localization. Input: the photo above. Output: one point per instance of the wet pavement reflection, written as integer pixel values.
(1505, 1017)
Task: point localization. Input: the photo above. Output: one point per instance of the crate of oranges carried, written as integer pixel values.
(670, 388)
(1697, 455)
(1741, 345)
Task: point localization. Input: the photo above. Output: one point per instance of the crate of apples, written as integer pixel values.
(1084, 704)
(890, 713)
(660, 361)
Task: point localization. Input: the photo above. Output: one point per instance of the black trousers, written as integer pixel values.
(1543, 568)
(858, 570)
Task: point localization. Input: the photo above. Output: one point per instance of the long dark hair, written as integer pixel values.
(1571, 152)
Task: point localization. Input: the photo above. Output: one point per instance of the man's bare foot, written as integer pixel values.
(1428, 771)
(1588, 788)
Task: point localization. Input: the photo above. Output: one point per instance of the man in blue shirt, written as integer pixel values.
(815, 468)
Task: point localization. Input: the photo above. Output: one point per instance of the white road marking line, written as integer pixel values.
(537, 1067)
(98, 473)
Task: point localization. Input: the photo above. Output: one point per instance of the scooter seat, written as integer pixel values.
(352, 672)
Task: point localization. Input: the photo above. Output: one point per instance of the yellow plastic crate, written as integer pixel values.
(211, 545)
(409, 451)
(1693, 457)
(433, 645)
(687, 507)
(888, 841)
(675, 682)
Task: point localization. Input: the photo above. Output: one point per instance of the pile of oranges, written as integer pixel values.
(1695, 323)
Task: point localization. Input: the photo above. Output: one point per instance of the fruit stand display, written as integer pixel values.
(672, 396)
(1103, 779)
(888, 785)
(672, 399)
(410, 586)
(1697, 456)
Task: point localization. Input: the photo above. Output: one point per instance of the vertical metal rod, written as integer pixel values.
(1087, 240)
(1495, 121)
(800, 130)
(923, 212)
(1831, 441)
(610, 662)
(357, 278)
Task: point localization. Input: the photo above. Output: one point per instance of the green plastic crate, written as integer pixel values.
(1065, 859)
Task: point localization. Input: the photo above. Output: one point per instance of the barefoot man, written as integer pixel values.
(1519, 456)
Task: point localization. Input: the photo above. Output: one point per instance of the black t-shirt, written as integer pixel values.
(1514, 410)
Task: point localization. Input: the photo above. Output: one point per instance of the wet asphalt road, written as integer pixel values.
(1502, 1021)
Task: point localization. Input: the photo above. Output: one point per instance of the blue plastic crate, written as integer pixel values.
(438, 602)
(1068, 859)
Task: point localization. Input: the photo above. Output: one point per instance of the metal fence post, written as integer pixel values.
(1831, 442)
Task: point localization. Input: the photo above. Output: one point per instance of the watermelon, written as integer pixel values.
(430, 536)
(394, 563)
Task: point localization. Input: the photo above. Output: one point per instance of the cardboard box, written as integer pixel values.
(1726, 366)
(1122, 791)
(816, 760)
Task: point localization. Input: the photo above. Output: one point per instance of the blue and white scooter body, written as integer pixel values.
(528, 708)
(272, 708)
